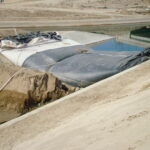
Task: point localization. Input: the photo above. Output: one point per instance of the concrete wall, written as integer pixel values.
(140, 38)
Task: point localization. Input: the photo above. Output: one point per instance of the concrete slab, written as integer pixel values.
(126, 38)
(19, 55)
(85, 37)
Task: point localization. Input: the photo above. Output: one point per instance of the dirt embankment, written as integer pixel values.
(112, 114)
(23, 89)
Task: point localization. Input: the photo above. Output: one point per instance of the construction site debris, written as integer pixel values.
(21, 40)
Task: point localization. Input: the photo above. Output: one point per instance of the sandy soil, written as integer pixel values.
(47, 10)
(60, 13)
(112, 114)
(122, 125)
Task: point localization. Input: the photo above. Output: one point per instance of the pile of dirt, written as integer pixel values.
(23, 89)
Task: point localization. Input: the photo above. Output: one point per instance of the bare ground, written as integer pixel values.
(58, 10)
(112, 114)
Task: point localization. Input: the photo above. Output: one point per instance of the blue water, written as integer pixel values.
(113, 45)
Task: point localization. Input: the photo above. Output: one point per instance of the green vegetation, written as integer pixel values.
(142, 32)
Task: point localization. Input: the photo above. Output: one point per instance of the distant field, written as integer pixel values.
(25, 10)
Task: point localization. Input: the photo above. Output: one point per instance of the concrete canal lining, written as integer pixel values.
(85, 37)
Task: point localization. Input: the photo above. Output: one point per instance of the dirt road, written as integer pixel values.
(72, 22)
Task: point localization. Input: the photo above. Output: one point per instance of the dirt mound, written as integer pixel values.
(23, 89)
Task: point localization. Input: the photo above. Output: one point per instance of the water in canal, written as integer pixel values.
(113, 45)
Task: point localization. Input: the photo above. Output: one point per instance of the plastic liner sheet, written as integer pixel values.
(46, 59)
(80, 66)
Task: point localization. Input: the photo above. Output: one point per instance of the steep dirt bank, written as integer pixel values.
(23, 89)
